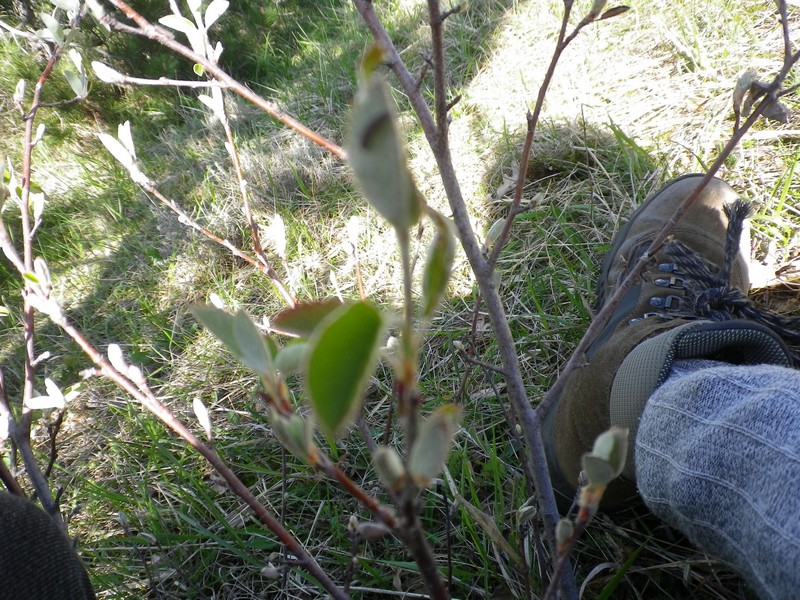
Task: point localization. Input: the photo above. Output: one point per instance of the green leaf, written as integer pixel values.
(302, 319)
(30, 276)
(53, 27)
(343, 354)
(296, 433)
(291, 358)
(389, 467)
(433, 443)
(76, 81)
(198, 69)
(239, 335)
(377, 154)
(68, 5)
(598, 470)
(439, 264)
(178, 23)
(214, 11)
(612, 446)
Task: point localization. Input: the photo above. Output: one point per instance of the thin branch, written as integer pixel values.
(21, 429)
(134, 384)
(157, 34)
(166, 82)
(184, 218)
(536, 467)
(248, 214)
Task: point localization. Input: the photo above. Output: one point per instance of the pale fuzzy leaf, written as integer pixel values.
(76, 81)
(53, 390)
(214, 11)
(294, 432)
(77, 60)
(377, 155)
(201, 412)
(215, 104)
(353, 230)
(67, 5)
(53, 27)
(217, 51)
(215, 300)
(598, 471)
(47, 307)
(42, 272)
(124, 135)
(19, 91)
(45, 403)
(291, 358)
(39, 134)
(240, 336)
(433, 444)
(742, 86)
(4, 427)
(117, 150)
(106, 74)
(116, 358)
(494, 232)
(178, 23)
(597, 6)
(194, 5)
(99, 13)
(197, 40)
(390, 467)
(372, 530)
(777, 111)
(276, 235)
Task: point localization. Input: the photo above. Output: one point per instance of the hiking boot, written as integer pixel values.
(689, 302)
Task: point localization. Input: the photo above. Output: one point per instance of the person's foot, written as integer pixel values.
(683, 305)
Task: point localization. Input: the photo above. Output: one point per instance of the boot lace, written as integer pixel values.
(710, 295)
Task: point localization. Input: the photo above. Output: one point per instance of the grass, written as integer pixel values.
(638, 99)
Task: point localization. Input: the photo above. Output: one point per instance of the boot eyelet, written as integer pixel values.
(667, 303)
(676, 283)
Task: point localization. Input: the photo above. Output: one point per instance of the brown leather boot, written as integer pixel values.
(688, 303)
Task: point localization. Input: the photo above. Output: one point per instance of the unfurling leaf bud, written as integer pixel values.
(564, 532)
(389, 467)
(296, 433)
(433, 444)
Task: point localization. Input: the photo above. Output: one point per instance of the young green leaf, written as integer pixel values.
(377, 154)
(343, 354)
(433, 443)
(178, 23)
(67, 5)
(439, 264)
(53, 27)
(296, 433)
(240, 336)
(291, 358)
(106, 74)
(75, 81)
(302, 319)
